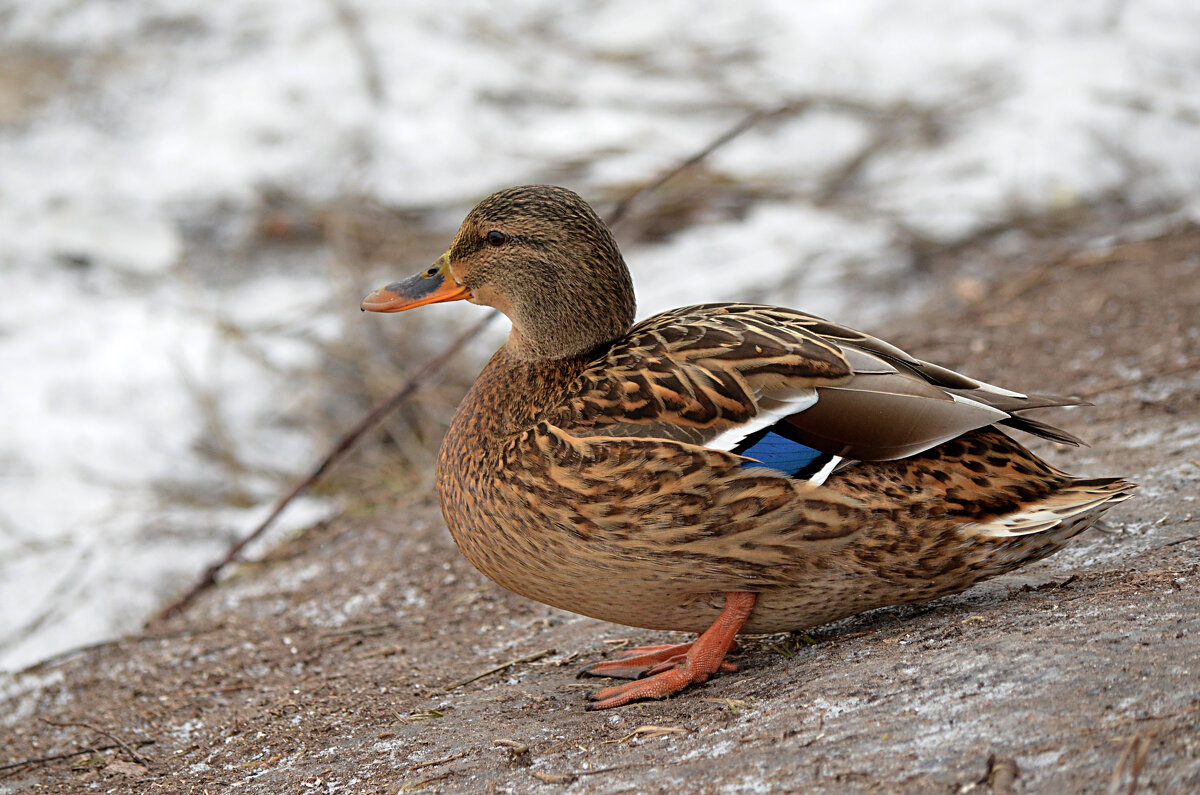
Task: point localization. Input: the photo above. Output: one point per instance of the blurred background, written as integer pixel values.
(195, 196)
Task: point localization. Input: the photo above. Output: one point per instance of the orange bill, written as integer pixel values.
(430, 286)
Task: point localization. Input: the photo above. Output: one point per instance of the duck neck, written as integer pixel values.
(510, 395)
(568, 317)
(549, 350)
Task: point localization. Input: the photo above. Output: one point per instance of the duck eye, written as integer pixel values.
(497, 238)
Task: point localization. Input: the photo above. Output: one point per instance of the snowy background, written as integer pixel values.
(186, 188)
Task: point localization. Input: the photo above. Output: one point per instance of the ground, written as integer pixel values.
(366, 655)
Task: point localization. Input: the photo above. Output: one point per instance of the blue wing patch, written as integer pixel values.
(778, 452)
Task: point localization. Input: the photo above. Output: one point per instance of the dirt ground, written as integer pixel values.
(367, 655)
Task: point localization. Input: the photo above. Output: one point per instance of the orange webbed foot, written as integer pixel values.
(673, 667)
(643, 661)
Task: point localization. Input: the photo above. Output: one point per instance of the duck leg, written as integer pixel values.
(672, 668)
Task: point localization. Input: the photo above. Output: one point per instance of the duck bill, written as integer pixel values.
(431, 286)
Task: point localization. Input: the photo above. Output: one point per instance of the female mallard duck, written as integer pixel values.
(720, 468)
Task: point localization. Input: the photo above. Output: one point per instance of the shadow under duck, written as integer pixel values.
(719, 468)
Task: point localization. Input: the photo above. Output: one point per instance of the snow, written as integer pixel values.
(172, 115)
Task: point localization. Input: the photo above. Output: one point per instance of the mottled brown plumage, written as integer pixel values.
(624, 472)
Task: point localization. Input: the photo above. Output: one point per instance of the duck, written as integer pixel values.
(717, 469)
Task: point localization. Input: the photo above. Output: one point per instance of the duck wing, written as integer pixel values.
(783, 388)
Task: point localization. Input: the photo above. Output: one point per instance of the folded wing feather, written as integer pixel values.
(731, 376)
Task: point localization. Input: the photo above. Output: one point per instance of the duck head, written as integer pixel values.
(540, 255)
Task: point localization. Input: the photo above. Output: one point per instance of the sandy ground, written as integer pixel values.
(367, 656)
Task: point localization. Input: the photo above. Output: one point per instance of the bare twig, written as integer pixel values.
(852, 168)
(362, 629)
(41, 760)
(1122, 253)
(537, 655)
(386, 651)
(748, 122)
(567, 778)
(67, 654)
(347, 442)
(416, 785)
(647, 732)
(50, 605)
(214, 690)
(435, 762)
(351, 22)
(1130, 763)
(1178, 541)
(1150, 375)
(133, 755)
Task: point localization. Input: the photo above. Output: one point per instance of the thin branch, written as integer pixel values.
(1177, 542)
(1150, 375)
(67, 654)
(537, 655)
(567, 778)
(1130, 764)
(41, 760)
(852, 169)
(435, 762)
(134, 755)
(362, 629)
(622, 207)
(351, 22)
(347, 442)
(416, 785)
